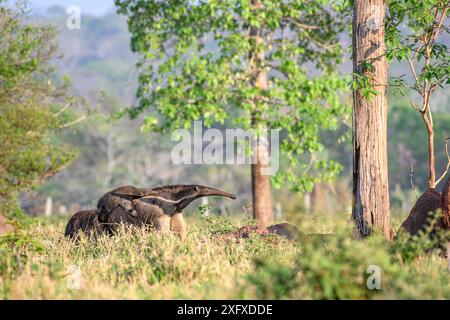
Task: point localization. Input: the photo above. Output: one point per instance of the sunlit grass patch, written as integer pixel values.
(138, 264)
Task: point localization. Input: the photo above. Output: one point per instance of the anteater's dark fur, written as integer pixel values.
(155, 207)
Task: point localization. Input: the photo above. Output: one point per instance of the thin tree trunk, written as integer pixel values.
(370, 166)
(111, 161)
(431, 162)
(261, 191)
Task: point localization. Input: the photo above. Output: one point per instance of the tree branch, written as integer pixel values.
(439, 25)
(62, 110)
(413, 71)
(73, 122)
(448, 162)
(302, 25)
(411, 179)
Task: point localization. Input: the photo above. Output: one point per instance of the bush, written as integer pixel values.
(30, 106)
(343, 268)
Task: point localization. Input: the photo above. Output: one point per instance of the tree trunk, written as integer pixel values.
(262, 195)
(319, 199)
(370, 168)
(431, 162)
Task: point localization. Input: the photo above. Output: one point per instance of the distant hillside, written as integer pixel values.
(96, 57)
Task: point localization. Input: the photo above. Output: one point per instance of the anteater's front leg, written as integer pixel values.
(178, 225)
(162, 223)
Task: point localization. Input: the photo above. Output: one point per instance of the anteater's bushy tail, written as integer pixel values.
(85, 221)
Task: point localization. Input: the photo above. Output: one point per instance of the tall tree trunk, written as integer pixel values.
(262, 195)
(370, 166)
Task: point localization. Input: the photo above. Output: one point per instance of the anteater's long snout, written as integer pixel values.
(209, 191)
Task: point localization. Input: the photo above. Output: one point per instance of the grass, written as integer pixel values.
(146, 265)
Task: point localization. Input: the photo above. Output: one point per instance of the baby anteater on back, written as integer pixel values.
(160, 208)
(116, 207)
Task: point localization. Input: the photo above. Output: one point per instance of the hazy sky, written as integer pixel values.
(95, 7)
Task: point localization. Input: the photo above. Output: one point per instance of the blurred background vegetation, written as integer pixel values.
(100, 65)
(67, 151)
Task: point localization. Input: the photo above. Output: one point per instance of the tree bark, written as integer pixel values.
(370, 166)
(262, 194)
(261, 191)
(431, 162)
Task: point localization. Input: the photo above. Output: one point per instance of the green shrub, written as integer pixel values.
(341, 268)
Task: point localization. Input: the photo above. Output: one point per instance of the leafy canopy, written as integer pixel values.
(415, 33)
(29, 101)
(196, 63)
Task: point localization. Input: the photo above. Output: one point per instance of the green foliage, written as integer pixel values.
(407, 139)
(204, 210)
(15, 246)
(408, 247)
(273, 281)
(14, 250)
(410, 23)
(338, 268)
(137, 264)
(415, 31)
(196, 63)
(364, 83)
(218, 225)
(29, 101)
